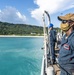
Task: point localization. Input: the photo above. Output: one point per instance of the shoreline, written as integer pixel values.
(18, 36)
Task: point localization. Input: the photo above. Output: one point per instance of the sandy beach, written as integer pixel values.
(18, 36)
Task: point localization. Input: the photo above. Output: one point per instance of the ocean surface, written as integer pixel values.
(20, 55)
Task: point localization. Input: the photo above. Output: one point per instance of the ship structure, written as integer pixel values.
(48, 68)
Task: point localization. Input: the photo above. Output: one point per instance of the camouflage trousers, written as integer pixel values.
(67, 70)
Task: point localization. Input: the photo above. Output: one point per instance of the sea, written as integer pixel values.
(21, 55)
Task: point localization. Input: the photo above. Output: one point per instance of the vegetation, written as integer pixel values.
(20, 29)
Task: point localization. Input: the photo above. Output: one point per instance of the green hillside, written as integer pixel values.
(20, 29)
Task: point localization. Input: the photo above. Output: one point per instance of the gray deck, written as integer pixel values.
(56, 66)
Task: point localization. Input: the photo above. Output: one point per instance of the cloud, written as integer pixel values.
(52, 6)
(0, 10)
(12, 15)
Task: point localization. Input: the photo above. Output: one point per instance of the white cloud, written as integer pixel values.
(0, 10)
(12, 15)
(52, 6)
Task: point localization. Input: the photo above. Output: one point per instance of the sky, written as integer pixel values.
(31, 11)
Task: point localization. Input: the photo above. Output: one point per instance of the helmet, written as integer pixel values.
(51, 25)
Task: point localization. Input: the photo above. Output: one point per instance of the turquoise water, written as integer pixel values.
(20, 56)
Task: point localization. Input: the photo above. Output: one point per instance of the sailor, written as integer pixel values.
(52, 40)
(66, 53)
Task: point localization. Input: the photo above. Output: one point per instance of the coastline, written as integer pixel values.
(18, 36)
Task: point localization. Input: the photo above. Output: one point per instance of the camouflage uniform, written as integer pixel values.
(52, 38)
(66, 53)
